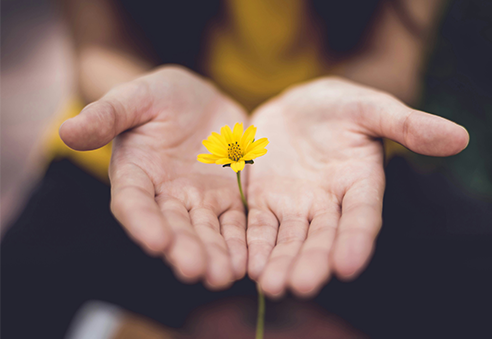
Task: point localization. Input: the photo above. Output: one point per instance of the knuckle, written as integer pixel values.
(235, 222)
(118, 205)
(291, 237)
(406, 126)
(237, 243)
(218, 248)
(104, 119)
(262, 219)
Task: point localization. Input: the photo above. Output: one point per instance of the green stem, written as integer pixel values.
(245, 203)
(260, 321)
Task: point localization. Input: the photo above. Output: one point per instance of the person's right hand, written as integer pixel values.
(165, 199)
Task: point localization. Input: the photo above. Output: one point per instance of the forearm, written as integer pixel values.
(395, 56)
(101, 68)
(105, 54)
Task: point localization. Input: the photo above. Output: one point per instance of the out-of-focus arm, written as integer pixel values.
(105, 54)
(395, 56)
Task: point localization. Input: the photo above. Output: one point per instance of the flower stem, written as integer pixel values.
(245, 203)
(260, 321)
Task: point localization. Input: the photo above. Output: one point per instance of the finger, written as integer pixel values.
(233, 229)
(312, 267)
(186, 253)
(261, 236)
(358, 227)
(219, 269)
(134, 206)
(421, 132)
(122, 108)
(291, 235)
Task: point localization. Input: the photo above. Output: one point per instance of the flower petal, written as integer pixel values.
(237, 133)
(248, 137)
(224, 161)
(219, 138)
(226, 133)
(255, 154)
(238, 166)
(207, 158)
(257, 145)
(215, 148)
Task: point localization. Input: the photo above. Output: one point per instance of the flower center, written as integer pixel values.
(234, 151)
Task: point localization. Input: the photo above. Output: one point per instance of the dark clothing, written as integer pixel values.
(431, 275)
(424, 281)
(173, 31)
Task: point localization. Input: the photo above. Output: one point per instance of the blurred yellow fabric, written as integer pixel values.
(261, 48)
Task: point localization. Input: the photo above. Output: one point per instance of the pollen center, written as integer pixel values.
(234, 151)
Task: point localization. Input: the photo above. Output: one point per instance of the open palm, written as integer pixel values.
(316, 199)
(171, 204)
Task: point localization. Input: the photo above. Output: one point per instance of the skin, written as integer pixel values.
(173, 206)
(316, 198)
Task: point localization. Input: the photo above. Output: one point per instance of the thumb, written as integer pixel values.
(122, 108)
(420, 132)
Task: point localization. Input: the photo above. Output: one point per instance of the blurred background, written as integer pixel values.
(442, 257)
(36, 79)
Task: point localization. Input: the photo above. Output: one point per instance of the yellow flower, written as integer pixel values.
(233, 148)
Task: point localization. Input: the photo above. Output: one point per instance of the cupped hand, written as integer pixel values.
(189, 212)
(316, 199)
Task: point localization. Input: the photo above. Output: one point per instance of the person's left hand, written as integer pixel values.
(315, 200)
